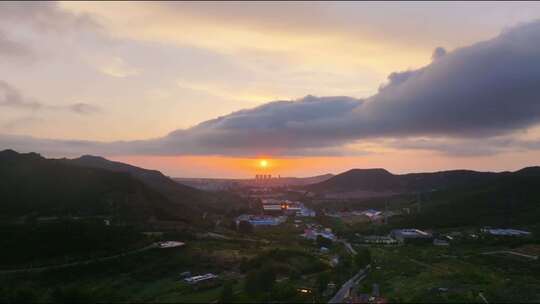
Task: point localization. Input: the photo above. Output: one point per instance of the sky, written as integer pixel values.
(208, 89)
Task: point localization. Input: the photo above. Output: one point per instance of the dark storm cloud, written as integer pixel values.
(489, 89)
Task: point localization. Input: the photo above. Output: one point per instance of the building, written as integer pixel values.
(170, 244)
(372, 213)
(275, 206)
(306, 212)
(377, 239)
(200, 278)
(297, 209)
(440, 242)
(291, 208)
(410, 236)
(261, 220)
(312, 234)
(272, 206)
(505, 232)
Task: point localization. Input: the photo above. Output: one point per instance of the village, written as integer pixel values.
(281, 222)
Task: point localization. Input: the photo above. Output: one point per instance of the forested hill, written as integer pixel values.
(191, 199)
(33, 185)
(382, 180)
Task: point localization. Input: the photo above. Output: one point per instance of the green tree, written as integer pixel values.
(266, 278)
(226, 295)
(323, 242)
(283, 291)
(362, 258)
(23, 295)
(245, 227)
(251, 285)
(262, 280)
(345, 267)
(322, 282)
(72, 295)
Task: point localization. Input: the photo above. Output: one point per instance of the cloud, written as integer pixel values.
(438, 53)
(29, 31)
(15, 124)
(50, 146)
(46, 17)
(10, 97)
(465, 147)
(490, 89)
(117, 67)
(10, 48)
(84, 108)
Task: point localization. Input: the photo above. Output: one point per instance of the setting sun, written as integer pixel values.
(263, 163)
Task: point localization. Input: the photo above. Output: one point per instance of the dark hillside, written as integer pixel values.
(33, 185)
(381, 180)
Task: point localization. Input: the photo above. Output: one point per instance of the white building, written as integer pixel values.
(171, 244)
(312, 234)
(261, 220)
(200, 278)
(505, 232)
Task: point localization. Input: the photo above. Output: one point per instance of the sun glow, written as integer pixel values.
(263, 163)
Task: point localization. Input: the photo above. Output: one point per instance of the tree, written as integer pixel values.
(232, 225)
(283, 291)
(322, 282)
(245, 227)
(24, 295)
(72, 295)
(345, 266)
(362, 258)
(258, 281)
(323, 242)
(251, 285)
(226, 295)
(266, 278)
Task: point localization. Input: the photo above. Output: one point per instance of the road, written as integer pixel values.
(481, 295)
(339, 297)
(349, 247)
(59, 266)
(532, 257)
(212, 235)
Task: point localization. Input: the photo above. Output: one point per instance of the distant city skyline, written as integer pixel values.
(211, 89)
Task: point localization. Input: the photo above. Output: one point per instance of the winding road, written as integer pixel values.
(339, 297)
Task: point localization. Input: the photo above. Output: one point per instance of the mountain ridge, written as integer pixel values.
(379, 179)
(34, 185)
